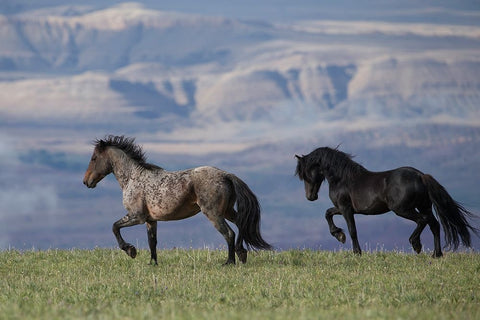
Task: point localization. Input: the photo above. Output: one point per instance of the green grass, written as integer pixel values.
(192, 284)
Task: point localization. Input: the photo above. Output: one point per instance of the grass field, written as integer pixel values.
(192, 284)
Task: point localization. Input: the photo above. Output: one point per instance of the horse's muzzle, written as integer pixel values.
(90, 184)
(312, 197)
(92, 178)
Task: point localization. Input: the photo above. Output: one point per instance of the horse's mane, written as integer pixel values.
(127, 145)
(333, 160)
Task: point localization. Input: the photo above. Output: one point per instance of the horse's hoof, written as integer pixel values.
(416, 244)
(437, 255)
(340, 236)
(229, 262)
(417, 248)
(242, 256)
(131, 251)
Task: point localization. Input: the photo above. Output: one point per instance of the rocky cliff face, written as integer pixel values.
(149, 63)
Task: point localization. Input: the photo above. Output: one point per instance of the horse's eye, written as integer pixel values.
(94, 158)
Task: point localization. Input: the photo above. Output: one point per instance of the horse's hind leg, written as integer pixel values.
(152, 241)
(415, 237)
(126, 221)
(239, 248)
(221, 225)
(334, 230)
(420, 220)
(435, 228)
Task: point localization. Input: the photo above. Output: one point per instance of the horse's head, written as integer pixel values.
(312, 177)
(99, 166)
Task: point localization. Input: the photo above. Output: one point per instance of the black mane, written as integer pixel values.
(334, 161)
(128, 146)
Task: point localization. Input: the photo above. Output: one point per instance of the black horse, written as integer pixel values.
(406, 191)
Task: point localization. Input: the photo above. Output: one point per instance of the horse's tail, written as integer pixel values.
(248, 215)
(452, 215)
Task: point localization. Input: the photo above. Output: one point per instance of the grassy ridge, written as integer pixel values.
(192, 284)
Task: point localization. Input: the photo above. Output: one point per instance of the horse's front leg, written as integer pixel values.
(352, 229)
(127, 221)
(152, 240)
(334, 230)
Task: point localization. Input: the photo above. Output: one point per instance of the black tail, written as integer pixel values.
(248, 215)
(452, 215)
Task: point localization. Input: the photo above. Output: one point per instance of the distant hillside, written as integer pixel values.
(150, 63)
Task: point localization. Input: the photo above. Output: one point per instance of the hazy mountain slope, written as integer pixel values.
(229, 70)
(118, 36)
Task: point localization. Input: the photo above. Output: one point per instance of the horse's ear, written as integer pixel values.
(298, 157)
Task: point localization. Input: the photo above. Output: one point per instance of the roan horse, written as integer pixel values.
(152, 194)
(406, 191)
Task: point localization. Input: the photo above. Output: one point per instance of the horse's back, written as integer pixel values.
(209, 179)
(404, 176)
(405, 188)
(208, 171)
(208, 175)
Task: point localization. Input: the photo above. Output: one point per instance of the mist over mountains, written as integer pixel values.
(238, 91)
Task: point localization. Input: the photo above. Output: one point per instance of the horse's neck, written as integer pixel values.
(123, 166)
(333, 176)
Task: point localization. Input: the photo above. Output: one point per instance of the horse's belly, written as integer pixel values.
(179, 213)
(375, 207)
